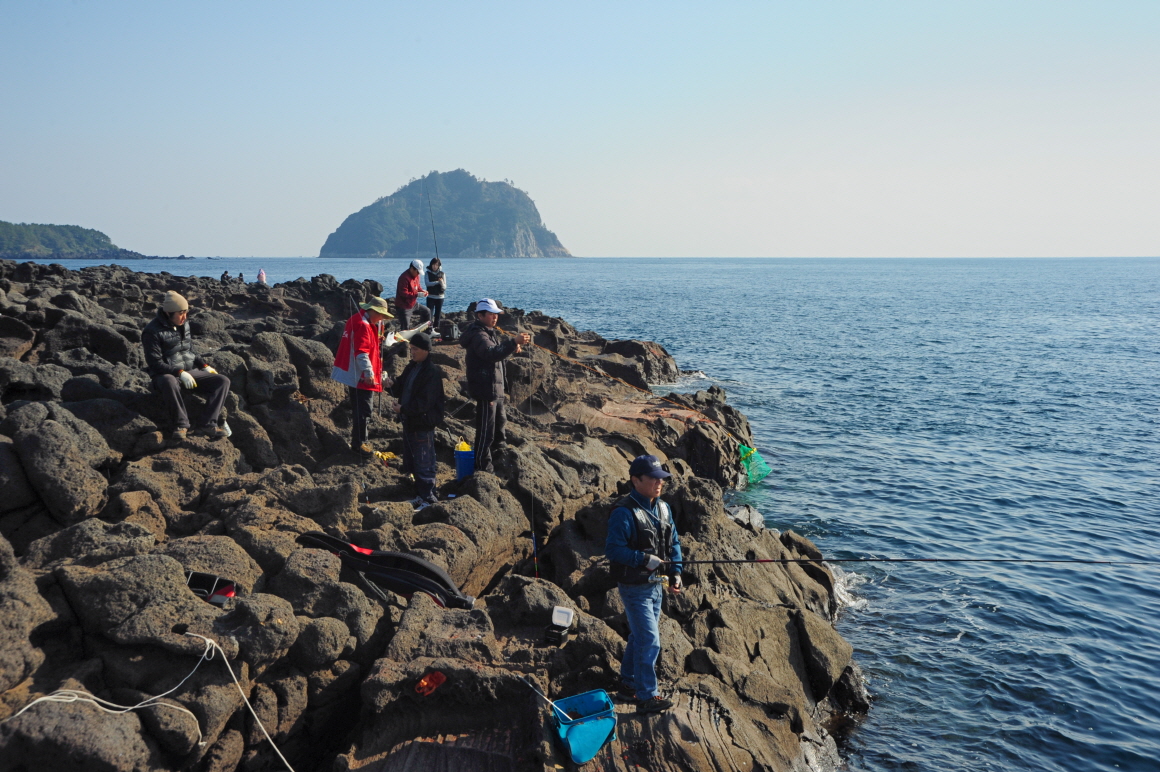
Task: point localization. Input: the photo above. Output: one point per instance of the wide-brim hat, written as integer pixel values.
(378, 305)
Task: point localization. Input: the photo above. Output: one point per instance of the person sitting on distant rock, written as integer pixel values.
(486, 350)
(420, 393)
(225, 277)
(642, 538)
(358, 366)
(173, 365)
(436, 289)
(408, 290)
(241, 277)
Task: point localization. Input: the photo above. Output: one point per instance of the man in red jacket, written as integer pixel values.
(358, 366)
(407, 293)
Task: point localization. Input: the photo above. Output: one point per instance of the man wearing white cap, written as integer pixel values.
(173, 365)
(486, 350)
(408, 290)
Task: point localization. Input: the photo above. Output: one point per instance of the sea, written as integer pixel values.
(921, 408)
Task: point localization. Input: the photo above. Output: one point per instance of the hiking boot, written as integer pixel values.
(656, 704)
(178, 435)
(213, 432)
(418, 503)
(625, 691)
(362, 451)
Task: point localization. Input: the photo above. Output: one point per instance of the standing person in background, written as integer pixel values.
(436, 291)
(173, 366)
(420, 393)
(408, 290)
(642, 540)
(486, 350)
(358, 366)
(261, 276)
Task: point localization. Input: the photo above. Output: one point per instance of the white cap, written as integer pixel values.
(487, 304)
(417, 265)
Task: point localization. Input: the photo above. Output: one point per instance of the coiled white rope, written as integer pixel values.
(211, 646)
(214, 644)
(76, 695)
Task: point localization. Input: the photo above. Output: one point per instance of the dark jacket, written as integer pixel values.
(423, 407)
(168, 348)
(486, 350)
(634, 533)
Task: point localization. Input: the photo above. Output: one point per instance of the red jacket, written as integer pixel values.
(358, 337)
(407, 291)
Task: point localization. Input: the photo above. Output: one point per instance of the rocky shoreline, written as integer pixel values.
(101, 520)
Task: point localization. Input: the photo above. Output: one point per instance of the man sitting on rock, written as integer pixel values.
(641, 539)
(173, 365)
(420, 393)
(358, 366)
(486, 350)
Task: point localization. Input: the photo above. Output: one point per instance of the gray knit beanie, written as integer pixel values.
(174, 302)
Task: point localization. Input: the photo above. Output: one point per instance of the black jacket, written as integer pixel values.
(486, 350)
(168, 348)
(423, 408)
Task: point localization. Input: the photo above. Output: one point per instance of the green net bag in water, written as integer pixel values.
(755, 467)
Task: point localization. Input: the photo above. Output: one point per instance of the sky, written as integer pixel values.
(739, 129)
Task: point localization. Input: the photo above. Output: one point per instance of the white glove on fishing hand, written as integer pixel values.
(187, 380)
(653, 563)
(675, 584)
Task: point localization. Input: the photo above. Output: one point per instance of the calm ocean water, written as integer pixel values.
(924, 408)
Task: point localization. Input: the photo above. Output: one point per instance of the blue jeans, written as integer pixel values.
(642, 606)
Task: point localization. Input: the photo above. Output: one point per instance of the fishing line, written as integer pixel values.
(920, 560)
(432, 213)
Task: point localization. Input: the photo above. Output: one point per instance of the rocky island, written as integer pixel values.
(101, 520)
(26, 241)
(470, 217)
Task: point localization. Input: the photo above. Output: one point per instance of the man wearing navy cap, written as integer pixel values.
(641, 539)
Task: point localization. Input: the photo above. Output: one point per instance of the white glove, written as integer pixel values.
(675, 583)
(209, 370)
(187, 381)
(653, 563)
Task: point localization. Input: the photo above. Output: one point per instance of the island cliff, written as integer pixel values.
(24, 241)
(472, 218)
(101, 520)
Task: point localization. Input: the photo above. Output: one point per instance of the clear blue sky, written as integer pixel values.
(640, 129)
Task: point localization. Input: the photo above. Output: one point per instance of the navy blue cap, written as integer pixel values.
(647, 466)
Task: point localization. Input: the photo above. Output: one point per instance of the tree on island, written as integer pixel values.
(473, 218)
(32, 240)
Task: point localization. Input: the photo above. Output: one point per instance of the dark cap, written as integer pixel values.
(421, 340)
(647, 466)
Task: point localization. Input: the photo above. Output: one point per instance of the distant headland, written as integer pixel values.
(472, 218)
(33, 241)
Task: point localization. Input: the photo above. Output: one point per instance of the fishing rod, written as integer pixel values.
(918, 560)
(432, 213)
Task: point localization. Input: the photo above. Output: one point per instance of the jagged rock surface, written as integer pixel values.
(100, 519)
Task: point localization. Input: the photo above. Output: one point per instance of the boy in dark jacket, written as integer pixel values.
(486, 349)
(420, 393)
(173, 366)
